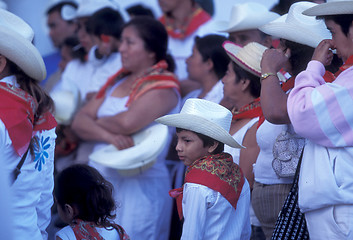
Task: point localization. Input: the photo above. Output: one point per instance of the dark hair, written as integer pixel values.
(282, 7)
(154, 36)
(207, 5)
(58, 7)
(255, 85)
(210, 47)
(77, 51)
(85, 188)
(44, 102)
(139, 10)
(206, 140)
(344, 21)
(105, 21)
(300, 55)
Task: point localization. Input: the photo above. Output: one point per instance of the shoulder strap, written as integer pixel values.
(17, 170)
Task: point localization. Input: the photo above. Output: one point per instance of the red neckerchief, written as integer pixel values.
(17, 109)
(345, 66)
(217, 172)
(156, 77)
(194, 21)
(250, 110)
(87, 230)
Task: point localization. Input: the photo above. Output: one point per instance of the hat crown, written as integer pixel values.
(210, 111)
(248, 57)
(15, 24)
(295, 15)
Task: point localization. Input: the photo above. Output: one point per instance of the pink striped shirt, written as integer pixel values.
(322, 112)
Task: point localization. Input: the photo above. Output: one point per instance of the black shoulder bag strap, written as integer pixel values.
(17, 170)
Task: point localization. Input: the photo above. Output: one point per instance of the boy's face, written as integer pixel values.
(107, 45)
(190, 147)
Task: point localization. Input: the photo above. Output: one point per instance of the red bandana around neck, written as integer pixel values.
(87, 230)
(17, 109)
(194, 21)
(250, 110)
(156, 77)
(216, 171)
(345, 66)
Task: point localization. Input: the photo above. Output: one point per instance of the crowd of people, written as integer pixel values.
(255, 110)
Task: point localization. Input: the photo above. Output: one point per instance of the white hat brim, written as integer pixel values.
(23, 53)
(200, 125)
(330, 8)
(149, 143)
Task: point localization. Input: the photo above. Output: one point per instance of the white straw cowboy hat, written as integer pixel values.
(87, 8)
(248, 57)
(149, 143)
(299, 28)
(246, 16)
(331, 7)
(16, 45)
(205, 117)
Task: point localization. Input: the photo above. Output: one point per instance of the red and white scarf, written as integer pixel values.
(216, 171)
(17, 110)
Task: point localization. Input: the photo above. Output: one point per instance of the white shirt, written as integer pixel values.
(88, 76)
(208, 215)
(181, 49)
(214, 95)
(266, 136)
(239, 137)
(31, 194)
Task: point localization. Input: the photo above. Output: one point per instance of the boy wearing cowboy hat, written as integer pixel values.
(216, 194)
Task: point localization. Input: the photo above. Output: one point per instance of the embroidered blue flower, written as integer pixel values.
(40, 152)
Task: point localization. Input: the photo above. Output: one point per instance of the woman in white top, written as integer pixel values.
(27, 128)
(241, 91)
(141, 91)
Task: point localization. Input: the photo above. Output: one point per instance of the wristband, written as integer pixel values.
(266, 75)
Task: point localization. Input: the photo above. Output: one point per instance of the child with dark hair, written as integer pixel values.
(215, 198)
(84, 200)
(106, 25)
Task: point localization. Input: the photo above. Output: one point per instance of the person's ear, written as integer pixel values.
(245, 83)
(213, 147)
(70, 211)
(3, 63)
(210, 64)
